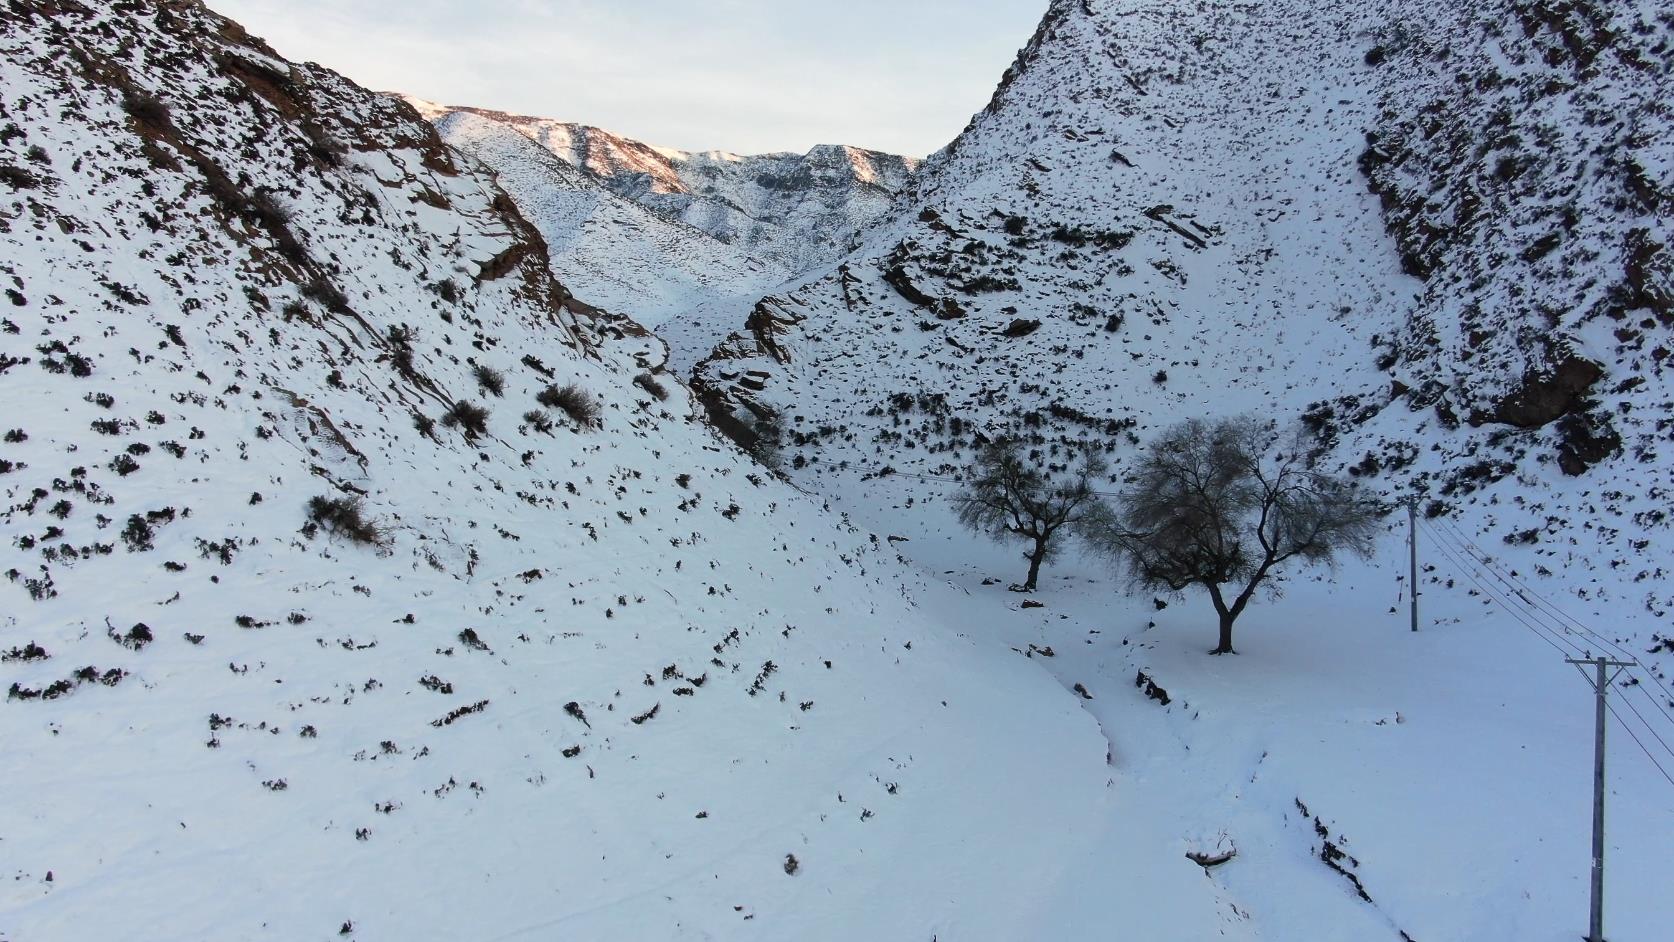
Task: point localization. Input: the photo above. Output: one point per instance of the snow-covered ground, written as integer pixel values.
(613, 679)
(1165, 214)
(1453, 766)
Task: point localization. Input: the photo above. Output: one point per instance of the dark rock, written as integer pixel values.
(1584, 440)
(1546, 397)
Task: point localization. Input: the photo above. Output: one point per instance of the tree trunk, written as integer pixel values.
(1228, 616)
(1035, 559)
(1225, 647)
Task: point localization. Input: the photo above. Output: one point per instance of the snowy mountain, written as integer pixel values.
(361, 582)
(685, 283)
(370, 573)
(1434, 235)
(685, 243)
(799, 211)
(1459, 292)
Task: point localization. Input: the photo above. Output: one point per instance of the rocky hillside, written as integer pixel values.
(361, 582)
(1440, 246)
(796, 211)
(681, 281)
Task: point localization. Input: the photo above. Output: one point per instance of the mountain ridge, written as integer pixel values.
(363, 582)
(796, 209)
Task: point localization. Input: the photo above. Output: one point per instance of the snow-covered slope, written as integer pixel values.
(686, 284)
(580, 679)
(1431, 233)
(1159, 216)
(799, 211)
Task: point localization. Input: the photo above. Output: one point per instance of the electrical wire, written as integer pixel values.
(1482, 560)
(1560, 644)
(1453, 551)
(1538, 599)
(1611, 707)
(1530, 595)
(1535, 599)
(1652, 729)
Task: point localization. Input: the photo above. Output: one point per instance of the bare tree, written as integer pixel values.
(1223, 505)
(1010, 498)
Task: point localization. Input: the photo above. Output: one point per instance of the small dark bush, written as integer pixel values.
(18, 178)
(490, 379)
(468, 417)
(135, 639)
(539, 421)
(327, 294)
(649, 383)
(139, 535)
(345, 517)
(29, 652)
(145, 108)
(573, 401)
(425, 424)
(267, 210)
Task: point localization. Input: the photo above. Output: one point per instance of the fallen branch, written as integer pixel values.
(1208, 860)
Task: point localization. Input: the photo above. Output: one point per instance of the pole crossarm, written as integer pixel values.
(1600, 662)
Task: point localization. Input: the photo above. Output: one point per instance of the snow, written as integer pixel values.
(294, 769)
(329, 740)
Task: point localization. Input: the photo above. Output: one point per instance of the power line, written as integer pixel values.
(1648, 726)
(1453, 551)
(1535, 599)
(1510, 591)
(1629, 730)
(1561, 645)
(1529, 594)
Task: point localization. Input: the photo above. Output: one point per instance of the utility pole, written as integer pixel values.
(1601, 689)
(1412, 542)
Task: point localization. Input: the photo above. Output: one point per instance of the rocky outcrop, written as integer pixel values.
(1547, 396)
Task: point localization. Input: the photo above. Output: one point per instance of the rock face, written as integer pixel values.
(688, 285)
(1546, 398)
(1440, 246)
(796, 211)
(357, 580)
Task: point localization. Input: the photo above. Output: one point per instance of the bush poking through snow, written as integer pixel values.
(344, 517)
(573, 401)
(539, 421)
(490, 379)
(135, 638)
(29, 652)
(649, 383)
(468, 417)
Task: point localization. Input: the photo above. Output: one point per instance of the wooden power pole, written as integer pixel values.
(1601, 689)
(1412, 542)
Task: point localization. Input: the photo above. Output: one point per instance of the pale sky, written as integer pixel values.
(748, 76)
